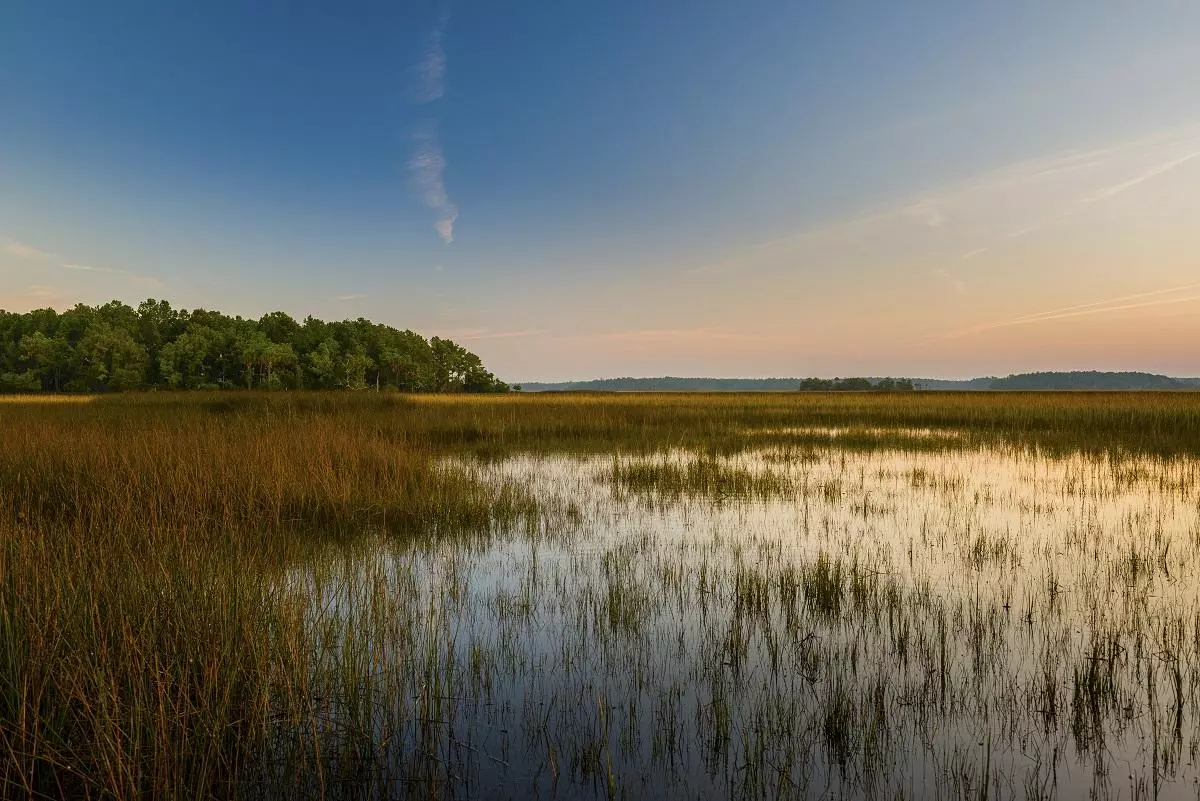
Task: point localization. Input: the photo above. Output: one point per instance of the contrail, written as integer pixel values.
(1163, 302)
(1083, 309)
(1154, 172)
(1032, 317)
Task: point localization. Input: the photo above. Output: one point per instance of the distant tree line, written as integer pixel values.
(115, 347)
(855, 385)
(1091, 379)
(1027, 381)
(668, 384)
(678, 384)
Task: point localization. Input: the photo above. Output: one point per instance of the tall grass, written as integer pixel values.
(151, 644)
(146, 644)
(1160, 423)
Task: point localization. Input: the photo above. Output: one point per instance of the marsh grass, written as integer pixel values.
(1158, 423)
(960, 624)
(192, 600)
(671, 476)
(145, 644)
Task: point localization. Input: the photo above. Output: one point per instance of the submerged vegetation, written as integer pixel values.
(374, 594)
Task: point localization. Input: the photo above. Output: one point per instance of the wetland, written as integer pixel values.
(748, 596)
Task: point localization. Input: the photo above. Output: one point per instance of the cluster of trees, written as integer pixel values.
(856, 385)
(115, 347)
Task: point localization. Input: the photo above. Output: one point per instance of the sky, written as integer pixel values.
(595, 189)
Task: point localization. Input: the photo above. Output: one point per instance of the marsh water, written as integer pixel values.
(925, 620)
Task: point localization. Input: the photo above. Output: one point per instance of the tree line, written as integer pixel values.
(856, 385)
(1082, 380)
(115, 347)
(678, 384)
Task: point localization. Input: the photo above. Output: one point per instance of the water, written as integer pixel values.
(816, 623)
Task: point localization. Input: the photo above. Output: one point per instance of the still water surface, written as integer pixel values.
(812, 623)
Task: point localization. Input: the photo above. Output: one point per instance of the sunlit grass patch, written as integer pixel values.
(42, 399)
(697, 475)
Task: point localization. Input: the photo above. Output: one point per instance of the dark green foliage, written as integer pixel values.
(855, 385)
(114, 347)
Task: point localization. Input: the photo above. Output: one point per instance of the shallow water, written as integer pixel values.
(811, 623)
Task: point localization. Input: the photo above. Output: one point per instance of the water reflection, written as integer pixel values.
(791, 622)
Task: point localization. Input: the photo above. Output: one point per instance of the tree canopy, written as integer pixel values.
(856, 385)
(115, 347)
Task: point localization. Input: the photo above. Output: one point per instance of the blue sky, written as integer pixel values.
(588, 189)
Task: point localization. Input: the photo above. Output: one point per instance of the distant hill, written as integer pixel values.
(1090, 380)
(669, 384)
(1093, 380)
(676, 384)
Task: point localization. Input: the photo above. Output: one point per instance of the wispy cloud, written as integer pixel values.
(136, 278)
(960, 286)
(474, 334)
(651, 335)
(41, 292)
(831, 236)
(352, 296)
(20, 250)
(926, 212)
(26, 252)
(427, 165)
(34, 296)
(430, 72)
(531, 332)
(984, 212)
(1139, 300)
(1153, 172)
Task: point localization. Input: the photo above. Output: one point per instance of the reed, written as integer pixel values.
(278, 595)
(146, 644)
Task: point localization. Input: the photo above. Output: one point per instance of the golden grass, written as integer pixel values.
(1156, 422)
(46, 399)
(146, 647)
(144, 643)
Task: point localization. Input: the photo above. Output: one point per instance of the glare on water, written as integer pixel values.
(796, 622)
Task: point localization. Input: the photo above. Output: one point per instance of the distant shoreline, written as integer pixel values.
(1084, 381)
